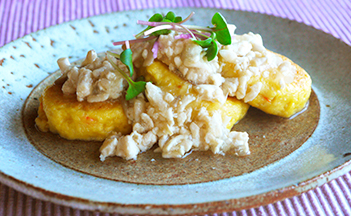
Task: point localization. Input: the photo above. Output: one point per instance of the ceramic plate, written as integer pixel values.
(25, 62)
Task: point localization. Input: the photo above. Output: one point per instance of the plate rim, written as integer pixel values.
(228, 205)
(111, 207)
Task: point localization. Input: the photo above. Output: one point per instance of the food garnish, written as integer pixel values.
(197, 82)
(162, 25)
(204, 36)
(126, 58)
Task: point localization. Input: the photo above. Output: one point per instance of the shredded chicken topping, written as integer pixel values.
(169, 120)
(94, 81)
(159, 117)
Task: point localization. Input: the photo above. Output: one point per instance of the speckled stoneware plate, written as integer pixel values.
(300, 154)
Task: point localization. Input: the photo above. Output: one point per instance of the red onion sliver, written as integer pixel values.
(155, 49)
(182, 36)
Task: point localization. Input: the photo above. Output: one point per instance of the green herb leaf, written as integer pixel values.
(213, 35)
(162, 32)
(127, 59)
(156, 18)
(222, 31)
(109, 58)
(211, 45)
(170, 16)
(212, 51)
(204, 43)
(159, 18)
(134, 89)
(178, 19)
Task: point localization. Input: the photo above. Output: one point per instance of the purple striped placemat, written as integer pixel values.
(21, 17)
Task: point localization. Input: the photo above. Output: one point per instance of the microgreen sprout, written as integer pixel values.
(158, 18)
(134, 88)
(206, 37)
